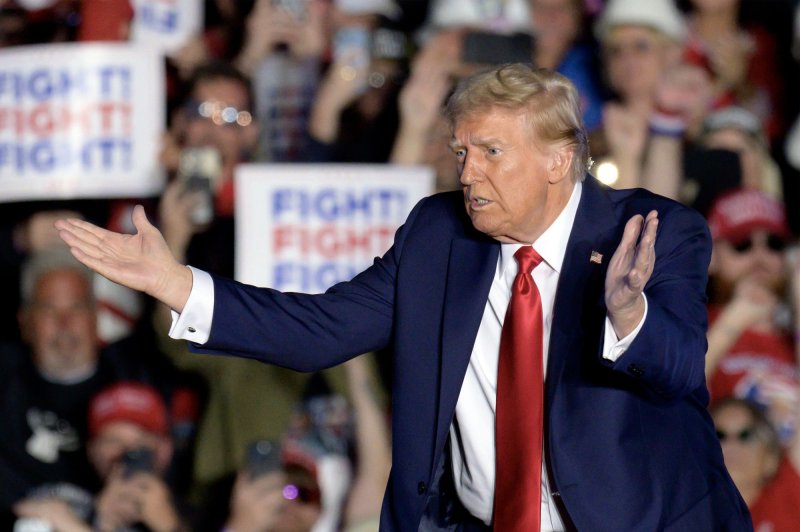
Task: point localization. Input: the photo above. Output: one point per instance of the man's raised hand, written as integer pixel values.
(628, 273)
(141, 261)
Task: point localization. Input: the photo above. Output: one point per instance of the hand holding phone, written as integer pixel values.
(138, 460)
(262, 457)
(199, 169)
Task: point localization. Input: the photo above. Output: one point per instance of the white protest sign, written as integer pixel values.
(303, 228)
(80, 120)
(166, 25)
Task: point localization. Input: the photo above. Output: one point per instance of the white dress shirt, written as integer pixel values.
(472, 430)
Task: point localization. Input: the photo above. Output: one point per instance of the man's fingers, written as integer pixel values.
(645, 252)
(632, 230)
(140, 220)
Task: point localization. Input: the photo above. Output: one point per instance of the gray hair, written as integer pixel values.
(44, 262)
(550, 100)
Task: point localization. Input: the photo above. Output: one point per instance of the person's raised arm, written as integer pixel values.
(142, 261)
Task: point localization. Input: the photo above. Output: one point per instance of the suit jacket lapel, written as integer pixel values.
(469, 276)
(580, 285)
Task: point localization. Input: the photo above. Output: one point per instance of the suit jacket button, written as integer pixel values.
(191, 329)
(635, 370)
(421, 488)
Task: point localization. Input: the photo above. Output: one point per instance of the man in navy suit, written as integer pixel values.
(628, 444)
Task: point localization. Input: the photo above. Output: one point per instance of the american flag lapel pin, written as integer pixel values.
(596, 257)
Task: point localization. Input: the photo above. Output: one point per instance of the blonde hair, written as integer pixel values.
(550, 100)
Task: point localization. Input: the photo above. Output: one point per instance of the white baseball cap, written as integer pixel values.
(660, 15)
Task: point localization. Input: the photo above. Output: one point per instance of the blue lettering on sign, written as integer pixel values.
(161, 20)
(49, 83)
(47, 156)
(331, 204)
(310, 279)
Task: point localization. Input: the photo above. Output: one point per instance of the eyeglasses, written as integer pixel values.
(745, 435)
(306, 495)
(773, 243)
(219, 113)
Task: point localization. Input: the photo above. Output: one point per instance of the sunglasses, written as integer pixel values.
(773, 243)
(293, 492)
(745, 435)
(219, 113)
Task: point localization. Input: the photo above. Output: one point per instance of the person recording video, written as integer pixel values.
(130, 450)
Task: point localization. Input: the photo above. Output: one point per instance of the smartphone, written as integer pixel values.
(486, 48)
(351, 45)
(136, 460)
(199, 169)
(262, 457)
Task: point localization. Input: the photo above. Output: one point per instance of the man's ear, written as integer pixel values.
(559, 164)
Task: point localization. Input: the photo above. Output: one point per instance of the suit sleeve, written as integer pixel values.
(668, 354)
(308, 332)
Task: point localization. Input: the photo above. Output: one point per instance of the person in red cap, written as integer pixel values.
(130, 450)
(750, 350)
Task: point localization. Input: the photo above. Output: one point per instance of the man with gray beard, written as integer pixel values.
(45, 386)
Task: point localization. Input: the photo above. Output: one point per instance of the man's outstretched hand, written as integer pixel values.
(628, 273)
(141, 261)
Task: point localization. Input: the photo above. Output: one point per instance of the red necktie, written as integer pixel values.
(520, 409)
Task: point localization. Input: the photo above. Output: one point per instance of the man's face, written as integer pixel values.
(510, 190)
(636, 57)
(231, 139)
(759, 257)
(746, 453)
(60, 323)
(116, 438)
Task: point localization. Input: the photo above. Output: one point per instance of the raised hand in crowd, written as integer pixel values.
(626, 134)
(270, 25)
(139, 498)
(344, 82)
(420, 103)
(752, 305)
(38, 232)
(174, 213)
(256, 503)
(684, 97)
(53, 511)
(730, 57)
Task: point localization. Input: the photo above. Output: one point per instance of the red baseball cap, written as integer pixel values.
(134, 402)
(735, 215)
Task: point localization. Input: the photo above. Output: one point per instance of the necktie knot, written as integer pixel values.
(527, 258)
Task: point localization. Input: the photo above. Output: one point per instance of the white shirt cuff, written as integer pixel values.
(194, 323)
(613, 347)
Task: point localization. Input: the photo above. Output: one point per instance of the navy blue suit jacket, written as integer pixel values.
(629, 444)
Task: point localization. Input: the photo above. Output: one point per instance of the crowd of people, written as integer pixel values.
(111, 425)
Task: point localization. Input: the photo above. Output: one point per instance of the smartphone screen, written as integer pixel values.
(262, 457)
(297, 8)
(136, 460)
(199, 169)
